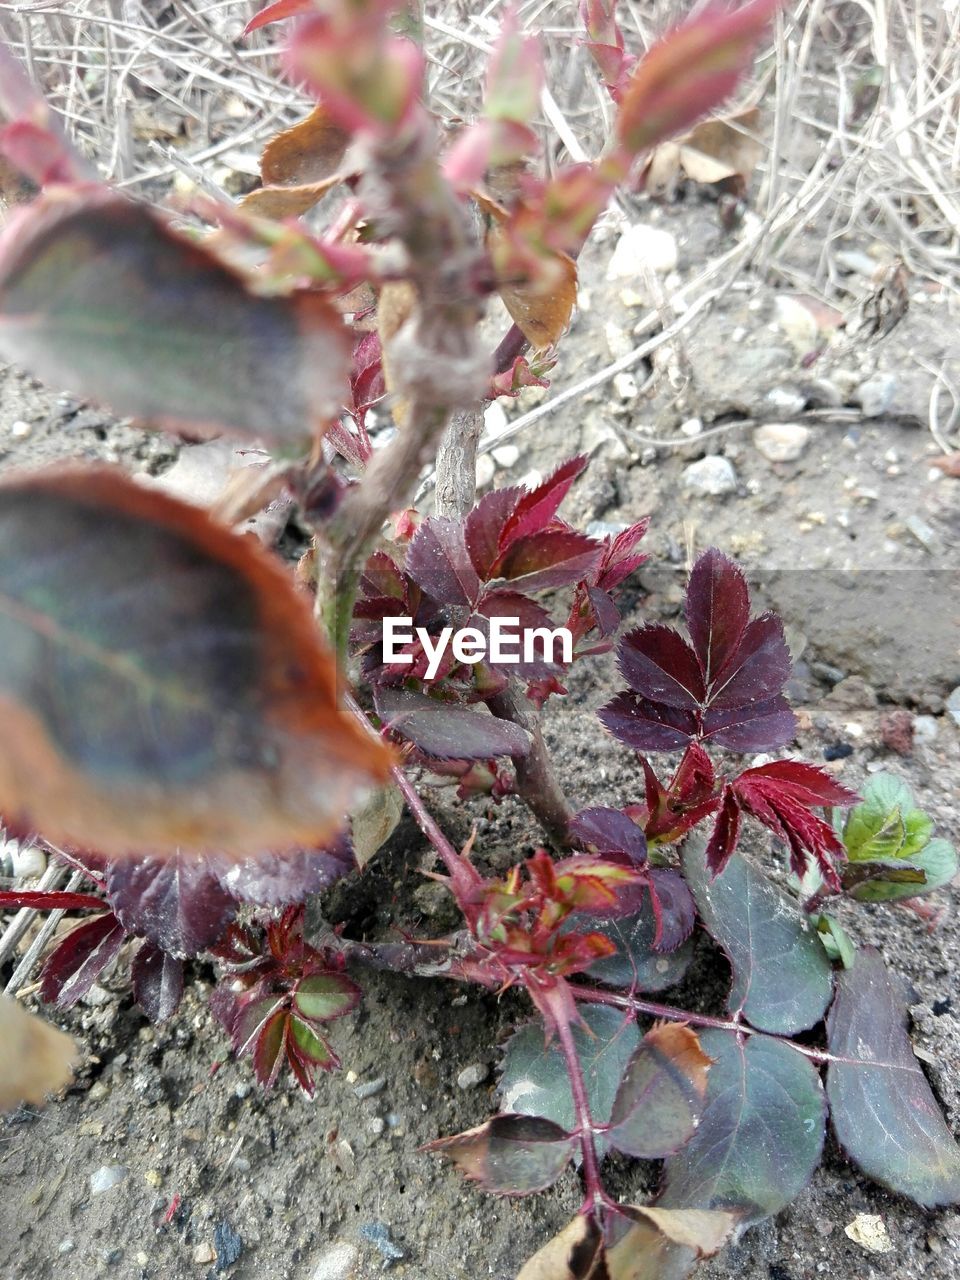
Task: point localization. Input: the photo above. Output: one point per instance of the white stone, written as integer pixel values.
(494, 418)
(784, 402)
(642, 247)
(619, 342)
(781, 441)
(953, 706)
(337, 1263)
(20, 429)
(486, 468)
(106, 1177)
(875, 396)
(692, 427)
(508, 455)
(625, 385)
(797, 323)
(713, 475)
(472, 1076)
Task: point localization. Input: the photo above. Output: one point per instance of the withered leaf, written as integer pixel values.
(308, 152)
(660, 1098)
(717, 149)
(35, 1058)
(664, 1244)
(510, 1155)
(287, 201)
(101, 296)
(575, 1253)
(163, 685)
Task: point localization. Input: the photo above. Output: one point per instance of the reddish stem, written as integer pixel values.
(581, 1105)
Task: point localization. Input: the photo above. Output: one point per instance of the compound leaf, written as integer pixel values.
(162, 682)
(761, 1132)
(884, 1113)
(77, 962)
(178, 903)
(101, 296)
(782, 980)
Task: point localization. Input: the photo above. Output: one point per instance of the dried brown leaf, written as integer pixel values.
(308, 152)
(576, 1253)
(287, 201)
(35, 1058)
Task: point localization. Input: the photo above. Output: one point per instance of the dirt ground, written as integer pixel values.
(856, 541)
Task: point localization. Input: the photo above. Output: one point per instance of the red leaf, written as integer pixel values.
(717, 610)
(758, 667)
(673, 908)
(484, 525)
(269, 1051)
(178, 903)
(621, 559)
(554, 558)
(75, 965)
(448, 731)
(609, 831)
(657, 663)
(726, 834)
(40, 900)
(536, 508)
(754, 727)
(276, 12)
(691, 70)
(781, 795)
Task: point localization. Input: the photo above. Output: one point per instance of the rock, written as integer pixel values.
(376, 1126)
(797, 322)
(228, 1244)
(925, 729)
(204, 1254)
(923, 533)
(20, 430)
(619, 342)
(508, 455)
(830, 674)
(494, 418)
(371, 1088)
(953, 706)
(713, 475)
(856, 262)
(66, 1246)
(896, 731)
(692, 427)
(868, 1231)
(605, 528)
(338, 1263)
(378, 1233)
(781, 441)
(625, 385)
(875, 396)
(785, 402)
(473, 1075)
(851, 694)
(106, 1178)
(642, 248)
(486, 469)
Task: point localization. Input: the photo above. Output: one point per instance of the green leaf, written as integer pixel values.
(534, 1079)
(325, 996)
(781, 975)
(884, 1113)
(887, 822)
(932, 868)
(510, 1155)
(836, 941)
(99, 295)
(761, 1133)
(660, 1098)
(314, 1047)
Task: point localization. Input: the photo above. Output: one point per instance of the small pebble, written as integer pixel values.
(376, 1127)
(486, 470)
(896, 731)
(494, 418)
(692, 427)
(642, 247)
(785, 402)
(875, 396)
(473, 1075)
(953, 706)
(107, 1177)
(508, 455)
(922, 532)
(781, 441)
(370, 1088)
(869, 1231)
(378, 1234)
(204, 1254)
(337, 1263)
(837, 751)
(925, 729)
(20, 429)
(625, 385)
(713, 475)
(66, 1246)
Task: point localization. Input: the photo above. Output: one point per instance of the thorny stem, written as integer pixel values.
(537, 783)
(581, 1105)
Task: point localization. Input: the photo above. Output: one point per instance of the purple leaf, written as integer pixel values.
(657, 663)
(717, 610)
(177, 902)
(78, 961)
(554, 558)
(448, 731)
(909, 1149)
(483, 526)
(759, 726)
(605, 611)
(757, 669)
(277, 880)
(157, 982)
(609, 831)
(438, 561)
(646, 725)
(673, 907)
(511, 604)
